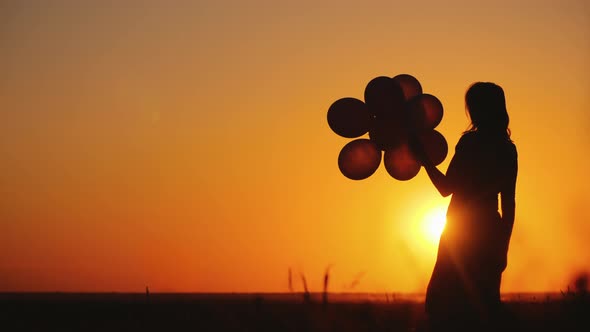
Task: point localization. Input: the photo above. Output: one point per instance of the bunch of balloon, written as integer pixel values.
(394, 111)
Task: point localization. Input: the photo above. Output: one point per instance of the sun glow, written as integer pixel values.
(433, 224)
(423, 234)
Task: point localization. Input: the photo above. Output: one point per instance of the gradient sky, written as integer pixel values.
(185, 145)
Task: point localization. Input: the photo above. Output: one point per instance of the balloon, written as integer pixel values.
(359, 159)
(395, 110)
(435, 146)
(426, 111)
(349, 117)
(400, 163)
(383, 96)
(409, 84)
(386, 132)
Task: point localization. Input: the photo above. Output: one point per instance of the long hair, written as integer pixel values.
(486, 105)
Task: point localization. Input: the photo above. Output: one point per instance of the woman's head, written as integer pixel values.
(486, 105)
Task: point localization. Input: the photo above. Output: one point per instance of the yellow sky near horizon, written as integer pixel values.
(185, 145)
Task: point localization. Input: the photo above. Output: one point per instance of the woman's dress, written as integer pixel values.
(472, 251)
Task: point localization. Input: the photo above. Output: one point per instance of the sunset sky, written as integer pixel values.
(184, 145)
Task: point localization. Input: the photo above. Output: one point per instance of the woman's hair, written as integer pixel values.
(486, 106)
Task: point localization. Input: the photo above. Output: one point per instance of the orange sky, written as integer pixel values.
(186, 147)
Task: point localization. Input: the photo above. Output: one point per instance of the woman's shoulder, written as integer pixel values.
(475, 140)
(469, 138)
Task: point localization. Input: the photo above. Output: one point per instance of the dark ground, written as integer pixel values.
(249, 312)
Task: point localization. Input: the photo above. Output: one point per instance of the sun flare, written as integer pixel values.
(434, 224)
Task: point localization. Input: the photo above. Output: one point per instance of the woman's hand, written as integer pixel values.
(440, 181)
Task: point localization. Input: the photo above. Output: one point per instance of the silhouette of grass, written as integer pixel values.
(326, 281)
(306, 294)
(290, 280)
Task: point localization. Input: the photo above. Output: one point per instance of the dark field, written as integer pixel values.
(266, 312)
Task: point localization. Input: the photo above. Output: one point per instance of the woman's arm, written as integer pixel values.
(508, 212)
(442, 182)
(508, 202)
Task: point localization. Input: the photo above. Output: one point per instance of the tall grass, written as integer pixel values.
(326, 281)
(290, 280)
(306, 294)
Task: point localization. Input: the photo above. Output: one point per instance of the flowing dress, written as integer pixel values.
(472, 250)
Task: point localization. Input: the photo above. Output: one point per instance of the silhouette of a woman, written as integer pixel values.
(465, 282)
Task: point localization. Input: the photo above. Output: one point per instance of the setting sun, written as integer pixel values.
(434, 223)
(424, 233)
